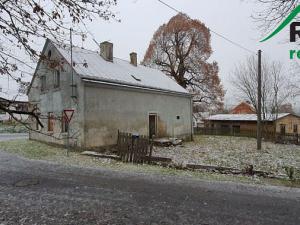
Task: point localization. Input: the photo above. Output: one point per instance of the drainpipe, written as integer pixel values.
(192, 130)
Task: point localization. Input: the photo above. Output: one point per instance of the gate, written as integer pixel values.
(134, 148)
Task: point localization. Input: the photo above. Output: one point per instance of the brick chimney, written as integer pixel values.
(133, 58)
(106, 51)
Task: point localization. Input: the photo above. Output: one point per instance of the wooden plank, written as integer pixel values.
(157, 159)
(100, 155)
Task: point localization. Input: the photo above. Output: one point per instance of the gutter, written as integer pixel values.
(137, 87)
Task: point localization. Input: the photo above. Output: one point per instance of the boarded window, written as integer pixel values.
(282, 128)
(43, 83)
(295, 128)
(56, 78)
(50, 122)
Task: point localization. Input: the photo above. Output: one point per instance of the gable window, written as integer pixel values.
(43, 83)
(50, 122)
(56, 78)
(295, 128)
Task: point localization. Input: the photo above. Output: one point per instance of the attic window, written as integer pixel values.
(49, 53)
(137, 79)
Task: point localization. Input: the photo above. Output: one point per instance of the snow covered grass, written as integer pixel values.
(30, 149)
(235, 152)
(40, 151)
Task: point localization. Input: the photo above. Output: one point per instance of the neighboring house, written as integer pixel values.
(18, 102)
(243, 108)
(107, 94)
(284, 123)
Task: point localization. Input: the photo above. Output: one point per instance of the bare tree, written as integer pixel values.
(24, 22)
(181, 49)
(276, 86)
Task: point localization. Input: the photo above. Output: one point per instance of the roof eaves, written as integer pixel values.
(134, 86)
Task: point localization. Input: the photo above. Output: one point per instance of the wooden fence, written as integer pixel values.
(267, 135)
(134, 148)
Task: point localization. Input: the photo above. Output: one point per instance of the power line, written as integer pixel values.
(214, 32)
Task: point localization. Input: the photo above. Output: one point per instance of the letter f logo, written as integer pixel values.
(293, 31)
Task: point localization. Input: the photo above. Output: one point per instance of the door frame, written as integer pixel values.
(155, 115)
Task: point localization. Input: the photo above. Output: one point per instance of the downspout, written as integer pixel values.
(192, 130)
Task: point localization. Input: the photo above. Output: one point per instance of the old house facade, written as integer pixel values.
(107, 94)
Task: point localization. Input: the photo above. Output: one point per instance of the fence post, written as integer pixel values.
(151, 148)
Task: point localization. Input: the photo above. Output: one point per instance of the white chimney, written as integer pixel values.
(133, 58)
(106, 51)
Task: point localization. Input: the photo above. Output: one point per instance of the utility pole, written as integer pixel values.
(259, 101)
(72, 73)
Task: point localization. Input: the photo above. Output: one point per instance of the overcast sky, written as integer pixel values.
(231, 18)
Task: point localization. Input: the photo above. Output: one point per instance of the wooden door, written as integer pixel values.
(152, 125)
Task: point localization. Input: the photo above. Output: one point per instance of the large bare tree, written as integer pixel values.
(24, 22)
(277, 89)
(181, 49)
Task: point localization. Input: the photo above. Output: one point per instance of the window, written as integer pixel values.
(282, 128)
(295, 128)
(56, 79)
(50, 122)
(43, 83)
(64, 124)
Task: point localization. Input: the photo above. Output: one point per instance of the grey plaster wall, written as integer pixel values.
(108, 109)
(55, 100)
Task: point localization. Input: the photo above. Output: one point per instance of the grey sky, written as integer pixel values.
(232, 18)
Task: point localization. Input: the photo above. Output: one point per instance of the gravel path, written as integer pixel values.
(38, 192)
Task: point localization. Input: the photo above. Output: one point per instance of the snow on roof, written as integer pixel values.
(244, 117)
(89, 64)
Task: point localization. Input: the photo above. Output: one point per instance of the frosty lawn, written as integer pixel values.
(235, 152)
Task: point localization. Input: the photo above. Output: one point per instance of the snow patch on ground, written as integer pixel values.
(235, 152)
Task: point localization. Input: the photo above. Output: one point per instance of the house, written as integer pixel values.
(243, 108)
(284, 123)
(107, 94)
